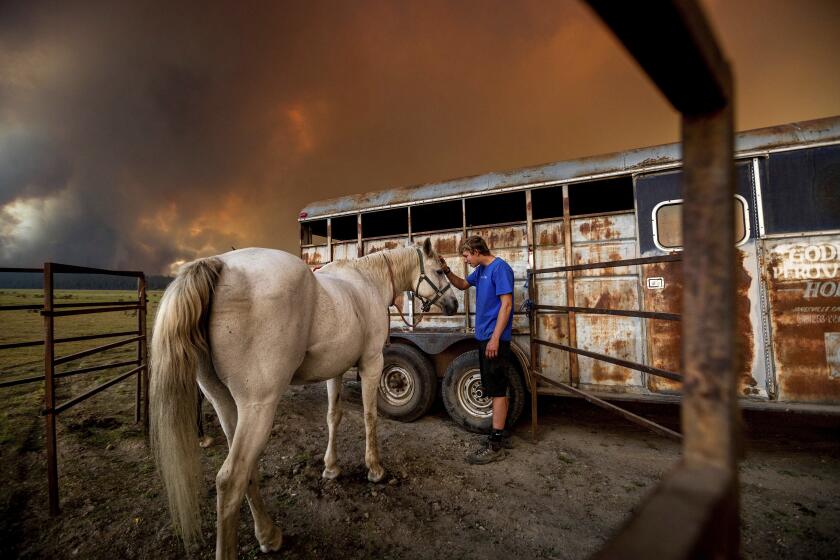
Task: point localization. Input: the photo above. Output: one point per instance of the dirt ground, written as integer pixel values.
(559, 498)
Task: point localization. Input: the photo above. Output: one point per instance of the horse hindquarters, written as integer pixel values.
(179, 346)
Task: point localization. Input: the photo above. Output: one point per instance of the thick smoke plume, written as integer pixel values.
(143, 134)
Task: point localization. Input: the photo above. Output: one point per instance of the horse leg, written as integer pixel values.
(370, 370)
(334, 414)
(268, 534)
(237, 476)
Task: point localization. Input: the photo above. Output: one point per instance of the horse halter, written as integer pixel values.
(427, 302)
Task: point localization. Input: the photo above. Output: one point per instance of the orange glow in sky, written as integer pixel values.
(149, 136)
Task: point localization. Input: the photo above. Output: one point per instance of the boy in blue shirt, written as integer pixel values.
(493, 281)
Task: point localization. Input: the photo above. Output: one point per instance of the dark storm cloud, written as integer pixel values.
(139, 134)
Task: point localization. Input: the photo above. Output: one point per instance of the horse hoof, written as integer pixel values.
(376, 476)
(273, 542)
(331, 473)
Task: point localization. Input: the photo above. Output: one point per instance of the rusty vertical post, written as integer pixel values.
(141, 411)
(532, 313)
(329, 240)
(464, 266)
(534, 354)
(709, 407)
(360, 247)
(574, 369)
(49, 391)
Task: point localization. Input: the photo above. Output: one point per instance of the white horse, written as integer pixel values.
(245, 325)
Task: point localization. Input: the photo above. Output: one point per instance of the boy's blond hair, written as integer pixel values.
(475, 244)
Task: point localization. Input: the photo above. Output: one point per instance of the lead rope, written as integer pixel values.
(394, 299)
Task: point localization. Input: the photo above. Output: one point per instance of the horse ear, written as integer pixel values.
(427, 247)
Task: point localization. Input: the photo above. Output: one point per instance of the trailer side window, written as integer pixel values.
(667, 223)
(600, 197)
(344, 228)
(496, 209)
(385, 223)
(436, 216)
(547, 203)
(801, 191)
(313, 233)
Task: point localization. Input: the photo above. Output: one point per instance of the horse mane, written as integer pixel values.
(403, 260)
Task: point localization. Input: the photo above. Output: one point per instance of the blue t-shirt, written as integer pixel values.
(490, 282)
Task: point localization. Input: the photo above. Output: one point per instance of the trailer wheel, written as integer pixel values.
(464, 399)
(408, 384)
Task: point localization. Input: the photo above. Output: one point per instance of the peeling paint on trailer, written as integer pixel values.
(662, 286)
(803, 282)
(604, 228)
(553, 363)
(502, 237)
(344, 250)
(375, 245)
(619, 337)
(549, 233)
(445, 243)
(315, 256)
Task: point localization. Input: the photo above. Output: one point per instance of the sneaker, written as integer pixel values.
(488, 453)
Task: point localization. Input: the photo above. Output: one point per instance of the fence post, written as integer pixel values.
(49, 390)
(142, 356)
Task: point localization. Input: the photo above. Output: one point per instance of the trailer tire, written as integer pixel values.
(408, 384)
(463, 399)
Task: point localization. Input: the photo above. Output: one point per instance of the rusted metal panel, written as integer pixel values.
(550, 291)
(751, 372)
(598, 239)
(514, 235)
(550, 287)
(604, 228)
(662, 286)
(802, 277)
(620, 337)
(374, 245)
(344, 250)
(445, 243)
(662, 289)
(605, 252)
(553, 363)
(549, 233)
(316, 255)
(820, 130)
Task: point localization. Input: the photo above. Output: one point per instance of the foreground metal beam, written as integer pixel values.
(673, 42)
(683, 518)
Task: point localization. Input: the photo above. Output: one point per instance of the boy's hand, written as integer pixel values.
(492, 349)
(443, 266)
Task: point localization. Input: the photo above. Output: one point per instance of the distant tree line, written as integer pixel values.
(22, 281)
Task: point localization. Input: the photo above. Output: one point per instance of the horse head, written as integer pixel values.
(433, 288)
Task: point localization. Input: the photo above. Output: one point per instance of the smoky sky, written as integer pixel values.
(141, 134)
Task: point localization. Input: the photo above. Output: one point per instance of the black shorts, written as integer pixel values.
(494, 373)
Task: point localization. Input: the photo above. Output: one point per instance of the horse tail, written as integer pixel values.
(179, 347)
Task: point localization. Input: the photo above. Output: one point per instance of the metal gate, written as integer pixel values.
(571, 311)
(49, 310)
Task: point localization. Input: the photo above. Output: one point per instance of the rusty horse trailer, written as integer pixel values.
(595, 245)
